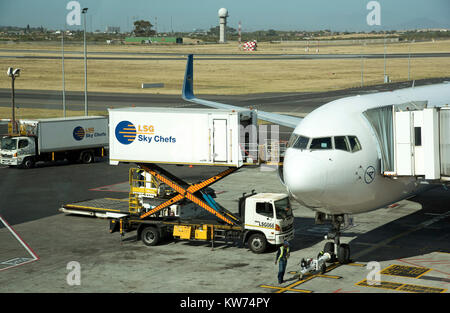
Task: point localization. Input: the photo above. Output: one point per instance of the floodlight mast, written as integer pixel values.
(84, 12)
(13, 73)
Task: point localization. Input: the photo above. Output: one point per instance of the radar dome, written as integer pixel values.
(223, 12)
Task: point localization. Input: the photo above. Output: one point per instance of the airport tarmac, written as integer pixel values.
(409, 240)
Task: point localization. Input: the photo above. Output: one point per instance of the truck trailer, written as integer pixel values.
(72, 138)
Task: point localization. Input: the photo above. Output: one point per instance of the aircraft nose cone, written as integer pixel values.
(305, 176)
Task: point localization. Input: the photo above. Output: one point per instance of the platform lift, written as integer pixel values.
(163, 205)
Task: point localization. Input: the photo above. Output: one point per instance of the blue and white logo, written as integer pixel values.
(78, 133)
(125, 132)
(369, 175)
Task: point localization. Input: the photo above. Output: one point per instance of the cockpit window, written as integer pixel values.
(298, 142)
(301, 143)
(292, 140)
(354, 143)
(321, 143)
(341, 143)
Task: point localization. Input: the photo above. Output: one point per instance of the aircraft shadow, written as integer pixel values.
(422, 232)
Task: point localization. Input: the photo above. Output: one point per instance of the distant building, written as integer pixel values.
(112, 29)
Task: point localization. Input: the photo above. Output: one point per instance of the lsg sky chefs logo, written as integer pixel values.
(79, 133)
(126, 133)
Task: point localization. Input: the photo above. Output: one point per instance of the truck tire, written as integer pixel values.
(87, 157)
(329, 248)
(28, 162)
(343, 253)
(150, 236)
(257, 243)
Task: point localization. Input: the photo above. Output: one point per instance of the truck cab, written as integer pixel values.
(267, 218)
(17, 151)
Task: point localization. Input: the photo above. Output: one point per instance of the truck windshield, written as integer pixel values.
(9, 143)
(283, 208)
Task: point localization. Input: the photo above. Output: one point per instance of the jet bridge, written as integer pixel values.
(413, 140)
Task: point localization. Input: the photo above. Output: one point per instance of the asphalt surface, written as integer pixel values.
(414, 233)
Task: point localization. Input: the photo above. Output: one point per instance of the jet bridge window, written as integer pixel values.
(321, 143)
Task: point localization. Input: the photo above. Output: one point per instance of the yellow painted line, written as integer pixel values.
(89, 208)
(402, 287)
(329, 276)
(123, 200)
(287, 289)
(356, 264)
(393, 266)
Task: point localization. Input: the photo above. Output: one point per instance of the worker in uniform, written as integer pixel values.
(282, 257)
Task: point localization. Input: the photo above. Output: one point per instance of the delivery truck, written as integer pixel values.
(160, 204)
(72, 138)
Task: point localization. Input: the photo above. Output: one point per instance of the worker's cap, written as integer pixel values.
(286, 243)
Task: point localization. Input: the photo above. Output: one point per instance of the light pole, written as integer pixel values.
(84, 11)
(63, 78)
(13, 73)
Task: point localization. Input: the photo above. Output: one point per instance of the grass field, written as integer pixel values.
(222, 76)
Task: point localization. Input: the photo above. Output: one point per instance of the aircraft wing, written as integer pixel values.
(188, 95)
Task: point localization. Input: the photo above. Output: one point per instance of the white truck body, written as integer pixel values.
(37, 138)
(178, 136)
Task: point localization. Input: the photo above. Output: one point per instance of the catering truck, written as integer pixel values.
(160, 204)
(190, 213)
(72, 138)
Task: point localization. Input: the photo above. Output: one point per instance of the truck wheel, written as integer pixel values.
(344, 253)
(28, 162)
(329, 248)
(257, 243)
(150, 236)
(87, 157)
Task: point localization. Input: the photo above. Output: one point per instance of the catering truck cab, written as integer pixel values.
(267, 218)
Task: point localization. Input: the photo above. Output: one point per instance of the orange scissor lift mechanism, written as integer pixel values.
(141, 218)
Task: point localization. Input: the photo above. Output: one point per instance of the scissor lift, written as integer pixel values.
(154, 212)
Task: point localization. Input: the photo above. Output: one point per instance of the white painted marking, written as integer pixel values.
(18, 261)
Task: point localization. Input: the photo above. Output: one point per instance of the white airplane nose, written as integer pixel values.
(305, 176)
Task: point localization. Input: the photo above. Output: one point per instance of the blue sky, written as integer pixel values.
(185, 15)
